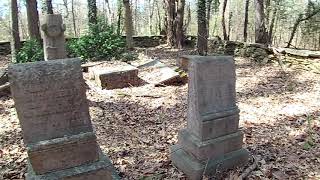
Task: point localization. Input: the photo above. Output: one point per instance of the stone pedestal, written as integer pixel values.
(53, 37)
(51, 104)
(211, 142)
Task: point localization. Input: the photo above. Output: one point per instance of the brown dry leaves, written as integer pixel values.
(136, 126)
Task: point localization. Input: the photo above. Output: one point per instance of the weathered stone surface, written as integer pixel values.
(212, 139)
(63, 153)
(160, 74)
(54, 41)
(50, 99)
(211, 91)
(212, 148)
(99, 170)
(116, 79)
(194, 168)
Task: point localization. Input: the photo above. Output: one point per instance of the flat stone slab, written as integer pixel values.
(63, 153)
(117, 78)
(99, 170)
(159, 74)
(194, 168)
(50, 99)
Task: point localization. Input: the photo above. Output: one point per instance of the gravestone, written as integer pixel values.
(53, 41)
(212, 141)
(51, 104)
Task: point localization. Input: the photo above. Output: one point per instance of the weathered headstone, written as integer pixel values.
(53, 40)
(212, 141)
(51, 104)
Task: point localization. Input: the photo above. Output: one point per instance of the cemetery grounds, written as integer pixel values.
(280, 117)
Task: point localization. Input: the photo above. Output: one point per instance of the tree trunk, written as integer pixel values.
(171, 8)
(246, 20)
(119, 17)
(202, 42)
(297, 23)
(229, 25)
(274, 13)
(92, 12)
(15, 43)
(128, 24)
(47, 7)
(260, 27)
(223, 21)
(73, 19)
(33, 20)
(209, 3)
(179, 29)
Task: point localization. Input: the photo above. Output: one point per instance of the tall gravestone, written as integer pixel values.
(51, 104)
(53, 41)
(212, 141)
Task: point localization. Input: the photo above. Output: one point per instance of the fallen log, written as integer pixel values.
(301, 53)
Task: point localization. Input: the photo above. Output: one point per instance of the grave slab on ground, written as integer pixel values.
(114, 76)
(157, 73)
(212, 141)
(51, 104)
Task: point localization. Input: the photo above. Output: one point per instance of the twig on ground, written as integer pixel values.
(249, 169)
(4, 87)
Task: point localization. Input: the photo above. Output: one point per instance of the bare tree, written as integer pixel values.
(260, 27)
(223, 20)
(15, 43)
(171, 15)
(128, 24)
(92, 12)
(33, 20)
(47, 6)
(302, 17)
(246, 20)
(179, 20)
(73, 19)
(202, 42)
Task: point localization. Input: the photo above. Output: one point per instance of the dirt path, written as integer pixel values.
(279, 114)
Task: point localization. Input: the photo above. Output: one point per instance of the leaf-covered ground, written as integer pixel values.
(280, 116)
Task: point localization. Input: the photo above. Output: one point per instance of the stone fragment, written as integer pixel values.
(117, 78)
(211, 142)
(53, 40)
(160, 74)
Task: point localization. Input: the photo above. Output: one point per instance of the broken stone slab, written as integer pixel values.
(116, 78)
(145, 63)
(160, 74)
(85, 67)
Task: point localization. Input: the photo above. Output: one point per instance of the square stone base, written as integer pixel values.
(100, 170)
(196, 169)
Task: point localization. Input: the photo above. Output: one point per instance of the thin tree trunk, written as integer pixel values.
(297, 23)
(128, 24)
(260, 27)
(49, 8)
(223, 21)
(15, 43)
(73, 19)
(179, 29)
(209, 5)
(33, 20)
(171, 7)
(229, 25)
(119, 18)
(92, 12)
(246, 20)
(159, 19)
(274, 14)
(202, 42)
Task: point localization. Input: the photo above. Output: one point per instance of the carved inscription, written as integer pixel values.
(50, 99)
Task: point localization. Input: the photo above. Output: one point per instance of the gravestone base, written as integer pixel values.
(196, 169)
(99, 170)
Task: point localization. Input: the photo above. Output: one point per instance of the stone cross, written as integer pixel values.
(54, 40)
(51, 104)
(212, 141)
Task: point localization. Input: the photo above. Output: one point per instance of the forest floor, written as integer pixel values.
(280, 116)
